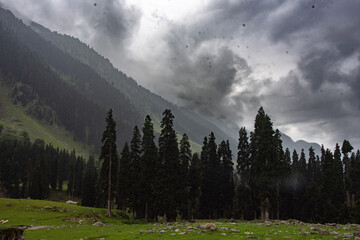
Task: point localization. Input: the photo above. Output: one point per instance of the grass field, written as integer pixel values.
(56, 220)
(15, 120)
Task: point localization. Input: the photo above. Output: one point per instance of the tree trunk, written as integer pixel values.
(278, 200)
(28, 184)
(266, 209)
(146, 210)
(348, 200)
(109, 188)
(123, 207)
(353, 200)
(165, 217)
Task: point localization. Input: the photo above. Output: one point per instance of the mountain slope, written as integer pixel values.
(15, 121)
(79, 96)
(95, 80)
(145, 101)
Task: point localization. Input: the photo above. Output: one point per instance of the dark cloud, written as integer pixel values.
(107, 22)
(210, 60)
(203, 74)
(114, 20)
(329, 96)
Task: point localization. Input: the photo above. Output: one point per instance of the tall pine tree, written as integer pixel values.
(88, 192)
(149, 169)
(124, 187)
(264, 163)
(109, 159)
(135, 168)
(170, 166)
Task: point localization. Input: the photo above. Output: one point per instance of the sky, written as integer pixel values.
(300, 60)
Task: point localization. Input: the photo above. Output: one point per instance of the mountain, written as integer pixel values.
(87, 84)
(299, 145)
(57, 88)
(146, 102)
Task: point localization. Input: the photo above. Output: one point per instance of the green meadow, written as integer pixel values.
(59, 220)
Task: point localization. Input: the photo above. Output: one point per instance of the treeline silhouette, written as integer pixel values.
(32, 169)
(166, 179)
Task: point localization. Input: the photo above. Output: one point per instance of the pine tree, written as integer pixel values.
(311, 204)
(170, 166)
(149, 168)
(124, 187)
(333, 189)
(210, 187)
(89, 183)
(242, 196)
(109, 159)
(195, 184)
(280, 171)
(226, 179)
(301, 185)
(243, 158)
(355, 187)
(72, 174)
(264, 163)
(354, 175)
(135, 169)
(286, 189)
(185, 159)
(346, 149)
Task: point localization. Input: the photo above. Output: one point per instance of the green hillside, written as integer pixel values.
(15, 120)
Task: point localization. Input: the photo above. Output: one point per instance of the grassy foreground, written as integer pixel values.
(56, 220)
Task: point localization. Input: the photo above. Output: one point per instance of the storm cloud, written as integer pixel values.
(225, 59)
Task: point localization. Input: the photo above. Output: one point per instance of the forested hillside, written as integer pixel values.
(145, 101)
(67, 91)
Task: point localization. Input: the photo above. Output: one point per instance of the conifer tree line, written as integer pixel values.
(166, 180)
(33, 169)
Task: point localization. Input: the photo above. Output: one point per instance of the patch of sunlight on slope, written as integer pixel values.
(15, 120)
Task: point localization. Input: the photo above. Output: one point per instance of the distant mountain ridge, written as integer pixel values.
(299, 145)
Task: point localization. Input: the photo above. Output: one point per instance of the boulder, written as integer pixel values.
(323, 232)
(98, 224)
(348, 235)
(210, 226)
